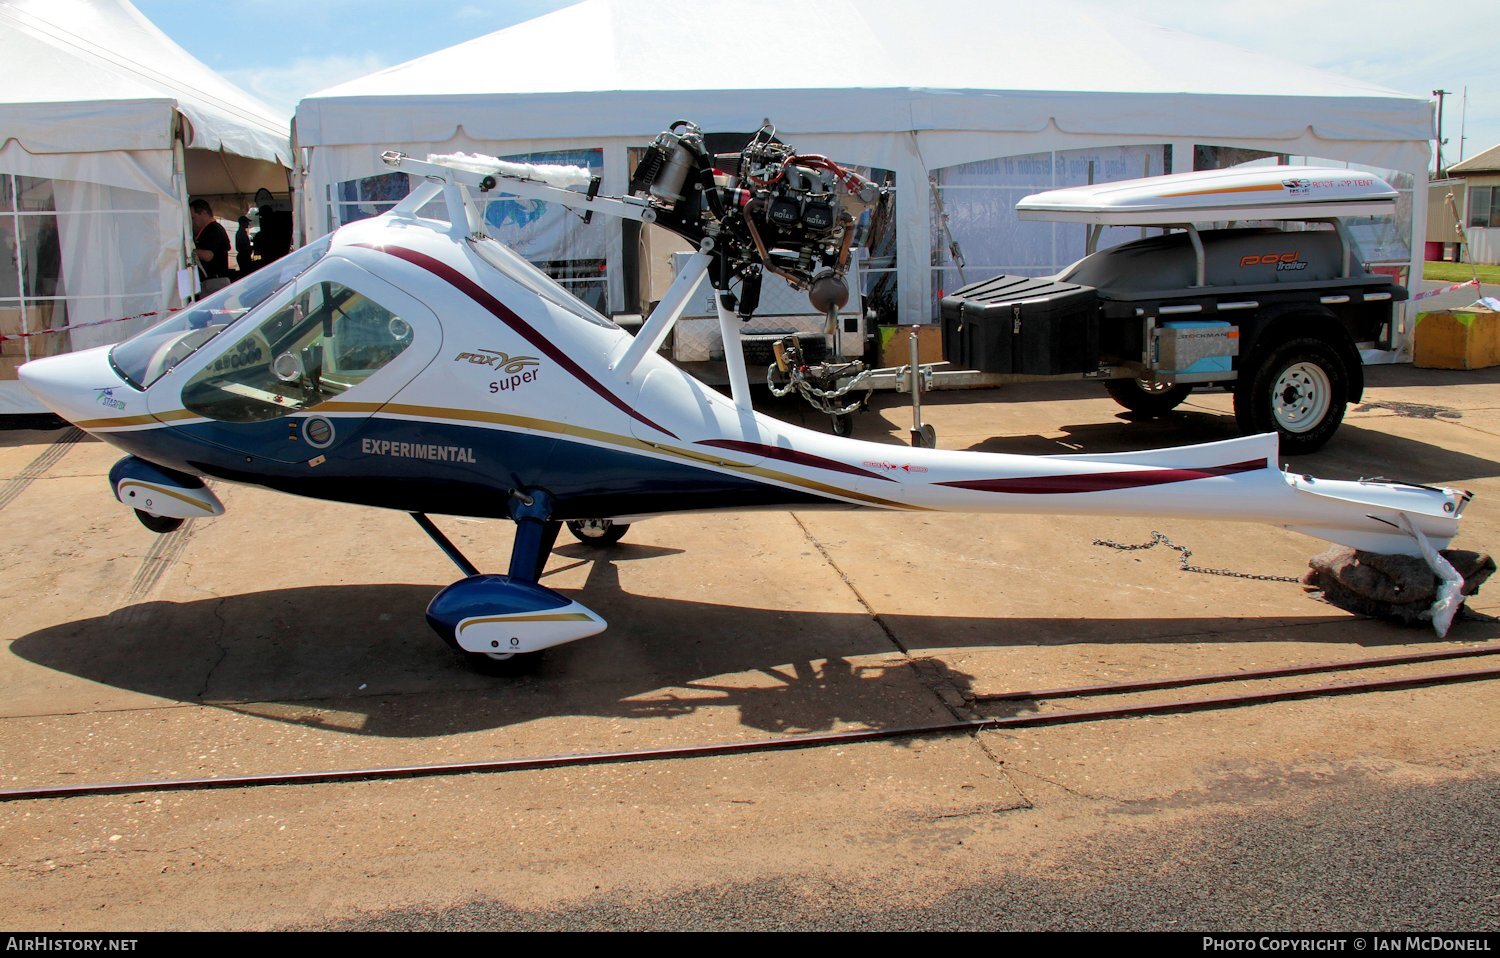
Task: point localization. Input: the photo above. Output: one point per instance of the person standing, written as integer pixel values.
(210, 246)
(243, 247)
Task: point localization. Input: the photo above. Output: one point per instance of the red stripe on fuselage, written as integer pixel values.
(507, 316)
(1101, 481)
(791, 455)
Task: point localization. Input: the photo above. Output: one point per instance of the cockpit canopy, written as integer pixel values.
(148, 355)
(327, 340)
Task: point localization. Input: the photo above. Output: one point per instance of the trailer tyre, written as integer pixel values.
(1148, 399)
(1298, 391)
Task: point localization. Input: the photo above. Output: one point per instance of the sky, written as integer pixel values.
(284, 50)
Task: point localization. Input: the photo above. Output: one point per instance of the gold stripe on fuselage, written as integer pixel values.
(613, 439)
(547, 427)
(120, 422)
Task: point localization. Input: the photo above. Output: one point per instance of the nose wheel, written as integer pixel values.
(161, 525)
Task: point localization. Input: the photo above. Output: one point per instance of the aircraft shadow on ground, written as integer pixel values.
(365, 652)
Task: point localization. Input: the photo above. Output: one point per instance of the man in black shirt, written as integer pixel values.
(211, 246)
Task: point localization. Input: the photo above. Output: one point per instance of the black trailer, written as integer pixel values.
(1278, 317)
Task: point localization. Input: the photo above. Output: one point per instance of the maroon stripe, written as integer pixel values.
(503, 313)
(791, 455)
(1101, 481)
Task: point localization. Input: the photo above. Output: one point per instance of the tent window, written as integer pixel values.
(1223, 157)
(553, 237)
(973, 208)
(31, 273)
(73, 253)
(876, 232)
(356, 200)
(327, 340)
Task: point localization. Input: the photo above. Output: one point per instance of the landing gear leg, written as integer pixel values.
(500, 622)
(535, 538)
(443, 542)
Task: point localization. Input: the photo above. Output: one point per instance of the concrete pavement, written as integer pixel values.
(288, 635)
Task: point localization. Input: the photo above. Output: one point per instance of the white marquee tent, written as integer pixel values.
(967, 105)
(107, 128)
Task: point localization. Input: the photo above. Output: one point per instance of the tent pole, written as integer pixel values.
(179, 181)
(15, 225)
(296, 184)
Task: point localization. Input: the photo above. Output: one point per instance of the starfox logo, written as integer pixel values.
(494, 359)
(106, 397)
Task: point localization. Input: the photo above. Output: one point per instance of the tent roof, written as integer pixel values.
(1486, 162)
(618, 67)
(96, 75)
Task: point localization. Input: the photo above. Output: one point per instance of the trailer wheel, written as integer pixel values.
(843, 425)
(1147, 398)
(1298, 391)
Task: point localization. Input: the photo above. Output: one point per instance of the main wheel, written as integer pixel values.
(502, 663)
(597, 532)
(161, 525)
(1298, 391)
(1147, 398)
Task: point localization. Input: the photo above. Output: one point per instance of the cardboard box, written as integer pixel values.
(1457, 339)
(895, 345)
(10, 362)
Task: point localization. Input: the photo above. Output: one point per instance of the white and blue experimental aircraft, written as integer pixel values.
(412, 362)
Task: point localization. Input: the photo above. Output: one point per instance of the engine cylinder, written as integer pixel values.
(668, 185)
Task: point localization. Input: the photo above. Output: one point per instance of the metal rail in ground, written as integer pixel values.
(835, 738)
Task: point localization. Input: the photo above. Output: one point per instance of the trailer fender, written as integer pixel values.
(1271, 327)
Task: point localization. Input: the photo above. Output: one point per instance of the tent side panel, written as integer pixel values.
(100, 244)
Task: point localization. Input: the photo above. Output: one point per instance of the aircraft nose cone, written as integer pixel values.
(79, 386)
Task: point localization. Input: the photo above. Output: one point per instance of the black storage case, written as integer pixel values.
(1021, 324)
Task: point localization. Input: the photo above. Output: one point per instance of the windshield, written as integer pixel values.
(327, 340)
(523, 271)
(152, 353)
